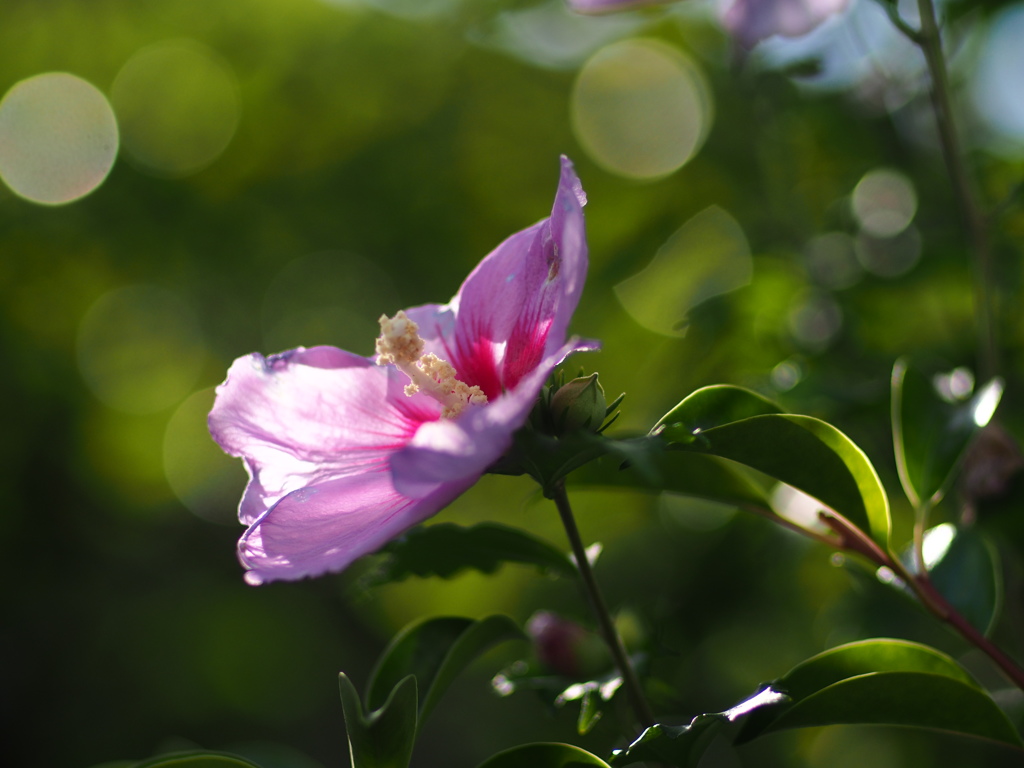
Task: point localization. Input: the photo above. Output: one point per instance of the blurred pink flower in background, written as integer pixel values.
(749, 21)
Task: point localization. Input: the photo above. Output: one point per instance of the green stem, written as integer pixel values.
(937, 604)
(930, 41)
(634, 691)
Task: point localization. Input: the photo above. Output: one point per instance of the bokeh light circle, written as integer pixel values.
(815, 319)
(58, 138)
(178, 104)
(140, 349)
(205, 479)
(831, 260)
(640, 108)
(884, 202)
(889, 256)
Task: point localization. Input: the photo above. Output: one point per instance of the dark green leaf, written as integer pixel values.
(558, 690)
(543, 755)
(385, 737)
(683, 745)
(802, 451)
(435, 651)
(883, 682)
(964, 566)
(904, 698)
(810, 455)
(446, 549)
(679, 745)
(196, 760)
(549, 459)
(656, 469)
(930, 434)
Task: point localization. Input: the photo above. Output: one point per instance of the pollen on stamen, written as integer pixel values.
(399, 344)
(399, 340)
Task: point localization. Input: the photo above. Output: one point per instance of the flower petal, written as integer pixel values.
(514, 309)
(325, 527)
(306, 416)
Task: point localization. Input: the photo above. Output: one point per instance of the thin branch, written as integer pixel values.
(892, 8)
(930, 42)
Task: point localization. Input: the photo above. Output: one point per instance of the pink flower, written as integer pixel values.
(751, 21)
(345, 452)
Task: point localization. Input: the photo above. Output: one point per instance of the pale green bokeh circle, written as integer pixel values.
(140, 349)
(640, 108)
(58, 138)
(205, 479)
(178, 104)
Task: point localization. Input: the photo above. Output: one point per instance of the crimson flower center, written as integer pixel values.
(399, 344)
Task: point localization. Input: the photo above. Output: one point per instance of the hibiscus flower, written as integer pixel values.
(345, 452)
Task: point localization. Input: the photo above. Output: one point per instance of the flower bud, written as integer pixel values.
(565, 647)
(991, 462)
(579, 404)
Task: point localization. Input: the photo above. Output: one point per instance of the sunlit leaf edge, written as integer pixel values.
(543, 755)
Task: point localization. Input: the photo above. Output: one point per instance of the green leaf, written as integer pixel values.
(930, 434)
(711, 407)
(964, 566)
(558, 690)
(435, 651)
(683, 745)
(543, 755)
(654, 468)
(679, 745)
(802, 451)
(384, 738)
(810, 455)
(883, 682)
(550, 459)
(446, 549)
(904, 698)
(590, 712)
(196, 760)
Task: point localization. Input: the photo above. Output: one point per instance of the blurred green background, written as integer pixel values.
(284, 171)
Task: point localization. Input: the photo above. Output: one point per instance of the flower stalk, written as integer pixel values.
(641, 709)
